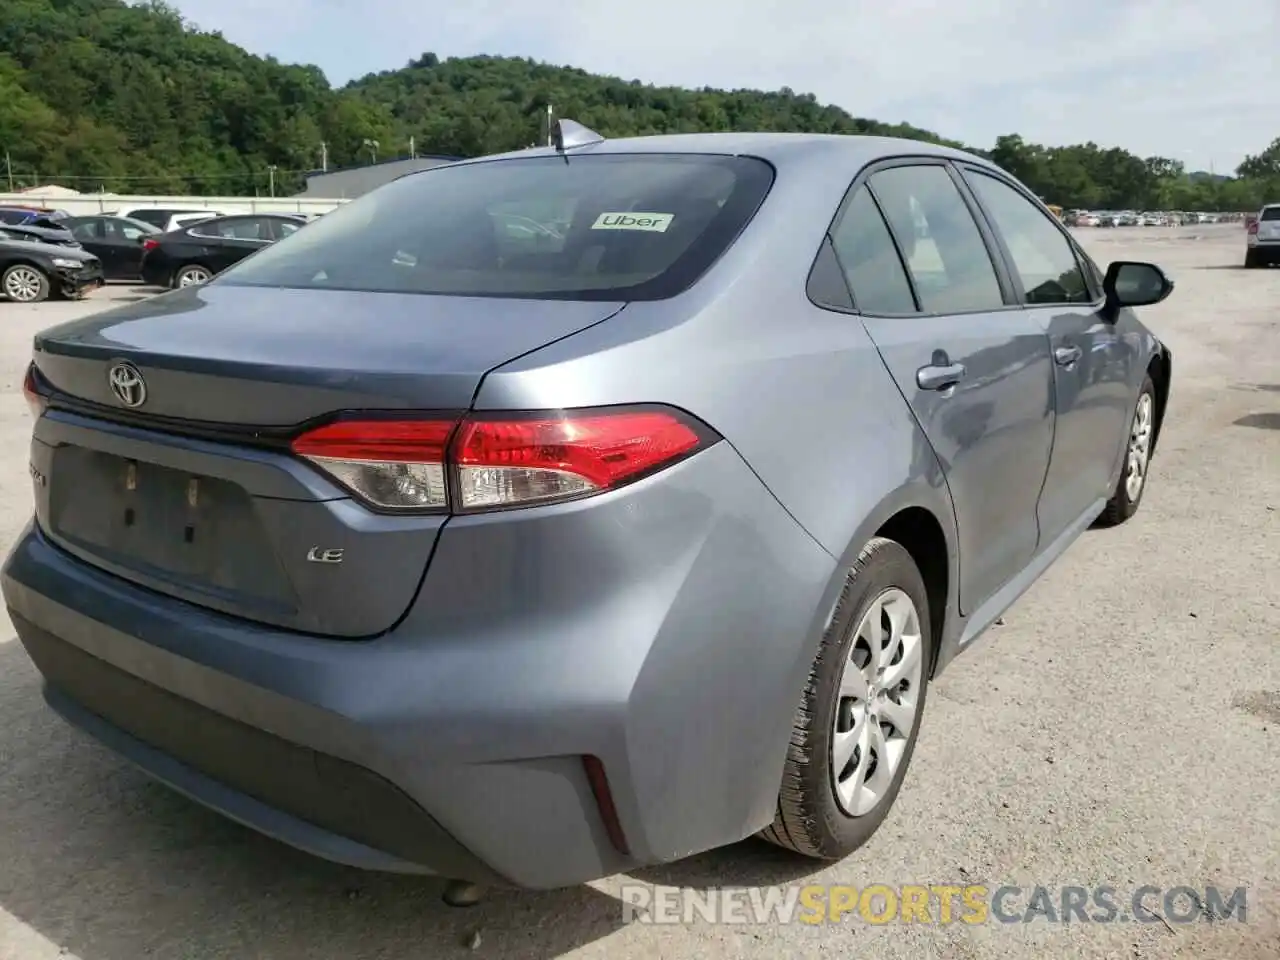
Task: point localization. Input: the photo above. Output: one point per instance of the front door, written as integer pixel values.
(1093, 370)
(121, 246)
(975, 370)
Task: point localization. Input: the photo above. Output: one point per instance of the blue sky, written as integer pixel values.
(1187, 79)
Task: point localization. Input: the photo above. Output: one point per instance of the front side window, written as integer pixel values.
(87, 230)
(598, 227)
(942, 245)
(870, 261)
(1045, 263)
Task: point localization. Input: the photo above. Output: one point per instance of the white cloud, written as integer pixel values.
(1188, 79)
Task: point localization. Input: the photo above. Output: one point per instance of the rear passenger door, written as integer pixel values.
(1094, 373)
(973, 367)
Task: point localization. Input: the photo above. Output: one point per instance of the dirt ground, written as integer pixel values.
(1121, 726)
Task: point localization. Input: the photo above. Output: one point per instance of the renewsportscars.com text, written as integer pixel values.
(934, 904)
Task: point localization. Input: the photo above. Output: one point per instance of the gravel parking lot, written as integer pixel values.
(1120, 726)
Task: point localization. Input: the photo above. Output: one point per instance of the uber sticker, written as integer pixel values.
(654, 222)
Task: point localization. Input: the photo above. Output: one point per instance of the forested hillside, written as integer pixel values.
(99, 94)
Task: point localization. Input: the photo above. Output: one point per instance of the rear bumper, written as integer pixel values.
(672, 631)
(1265, 250)
(156, 272)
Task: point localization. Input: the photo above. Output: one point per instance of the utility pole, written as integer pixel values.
(549, 123)
(271, 172)
(324, 157)
(413, 154)
(8, 167)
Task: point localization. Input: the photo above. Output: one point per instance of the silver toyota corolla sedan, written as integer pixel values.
(540, 516)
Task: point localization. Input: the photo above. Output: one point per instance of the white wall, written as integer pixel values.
(91, 203)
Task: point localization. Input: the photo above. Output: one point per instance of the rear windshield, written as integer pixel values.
(1270, 213)
(14, 216)
(616, 227)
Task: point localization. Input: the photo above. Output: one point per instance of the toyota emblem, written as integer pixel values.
(127, 384)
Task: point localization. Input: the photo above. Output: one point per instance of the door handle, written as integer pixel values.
(935, 377)
(1066, 356)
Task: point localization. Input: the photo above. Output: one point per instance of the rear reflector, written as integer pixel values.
(488, 462)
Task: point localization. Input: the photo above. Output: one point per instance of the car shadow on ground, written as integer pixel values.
(1262, 421)
(751, 863)
(109, 865)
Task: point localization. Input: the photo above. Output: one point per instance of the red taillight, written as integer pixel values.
(31, 392)
(1253, 227)
(506, 462)
(149, 244)
(486, 462)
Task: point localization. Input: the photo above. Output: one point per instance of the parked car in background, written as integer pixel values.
(196, 253)
(20, 215)
(165, 219)
(30, 271)
(1262, 238)
(41, 230)
(116, 241)
(426, 544)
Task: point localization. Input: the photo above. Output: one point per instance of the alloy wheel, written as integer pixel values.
(1139, 448)
(879, 702)
(193, 277)
(23, 284)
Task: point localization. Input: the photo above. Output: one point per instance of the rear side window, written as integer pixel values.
(14, 217)
(870, 261)
(611, 227)
(944, 250)
(1042, 255)
(157, 218)
(238, 228)
(1270, 213)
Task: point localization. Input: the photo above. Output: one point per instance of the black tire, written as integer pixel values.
(1122, 506)
(42, 280)
(189, 269)
(1251, 260)
(810, 819)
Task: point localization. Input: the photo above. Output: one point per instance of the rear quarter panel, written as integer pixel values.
(800, 392)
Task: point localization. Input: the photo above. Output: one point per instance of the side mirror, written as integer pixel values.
(1132, 283)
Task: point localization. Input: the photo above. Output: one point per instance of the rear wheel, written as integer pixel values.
(191, 275)
(856, 728)
(23, 283)
(1137, 460)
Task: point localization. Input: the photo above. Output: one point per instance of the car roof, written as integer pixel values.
(780, 149)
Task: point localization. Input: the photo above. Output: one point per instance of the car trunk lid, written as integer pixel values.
(192, 492)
